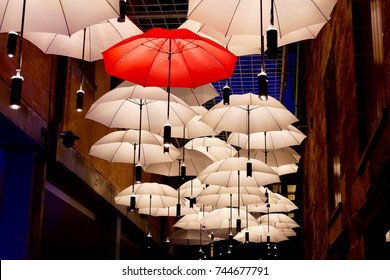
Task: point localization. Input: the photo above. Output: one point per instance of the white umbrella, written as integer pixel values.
(232, 172)
(123, 146)
(171, 210)
(243, 17)
(259, 234)
(282, 204)
(220, 197)
(87, 44)
(278, 220)
(244, 112)
(245, 44)
(222, 220)
(148, 195)
(191, 221)
(195, 96)
(194, 161)
(206, 142)
(288, 232)
(63, 17)
(121, 108)
(285, 169)
(271, 140)
(192, 96)
(275, 158)
(212, 145)
(191, 188)
(192, 129)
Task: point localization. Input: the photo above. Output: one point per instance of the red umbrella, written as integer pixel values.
(165, 58)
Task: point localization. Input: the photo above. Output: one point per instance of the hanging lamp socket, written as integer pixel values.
(272, 43)
(248, 168)
(167, 137)
(263, 86)
(183, 170)
(80, 100)
(226, 95)
(138, 173)
(16, 91)
(11, 43)
(132, 202)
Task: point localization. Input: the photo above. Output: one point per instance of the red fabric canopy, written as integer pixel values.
(144, 59)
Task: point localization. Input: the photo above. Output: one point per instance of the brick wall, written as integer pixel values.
(335, 42)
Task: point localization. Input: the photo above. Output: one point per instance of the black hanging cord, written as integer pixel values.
(139, 131)
(262, 37)
(21, 35)
(169, 75)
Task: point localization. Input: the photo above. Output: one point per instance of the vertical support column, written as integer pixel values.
(110, 234)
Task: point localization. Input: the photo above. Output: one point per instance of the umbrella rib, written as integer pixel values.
(90, 44)
(3, 16)
(123, 102)
(108, 2)
(66, 22)
(116, 29)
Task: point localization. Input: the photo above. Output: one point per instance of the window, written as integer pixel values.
(368, 45)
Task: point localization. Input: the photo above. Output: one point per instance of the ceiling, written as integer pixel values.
(170, 14)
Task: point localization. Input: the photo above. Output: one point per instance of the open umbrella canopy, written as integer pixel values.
(196, 96)
(285, 169)
(195, 162)
(192, 129)
(276, 157)
(85, 44)
(192, 96)
(245, 44)
(232, 172)
(56, 16)
(275, 219)
(169, 58)
(191, 221)
(225, 218)
(220, 197)
(213, 146)
(259, 234)
(170, 211)
(243, 17)
(123, 146)
(148, 195)
(271, 140)
(244, 112)
(121, 108)
(279, 205)
(191, 188)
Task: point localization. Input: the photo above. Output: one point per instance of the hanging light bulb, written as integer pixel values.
(138, 173)
(16, 90)
(11, 43)
(80, 100)
(226, 95)
(263, 86)
(272, 43)
(167, 137)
